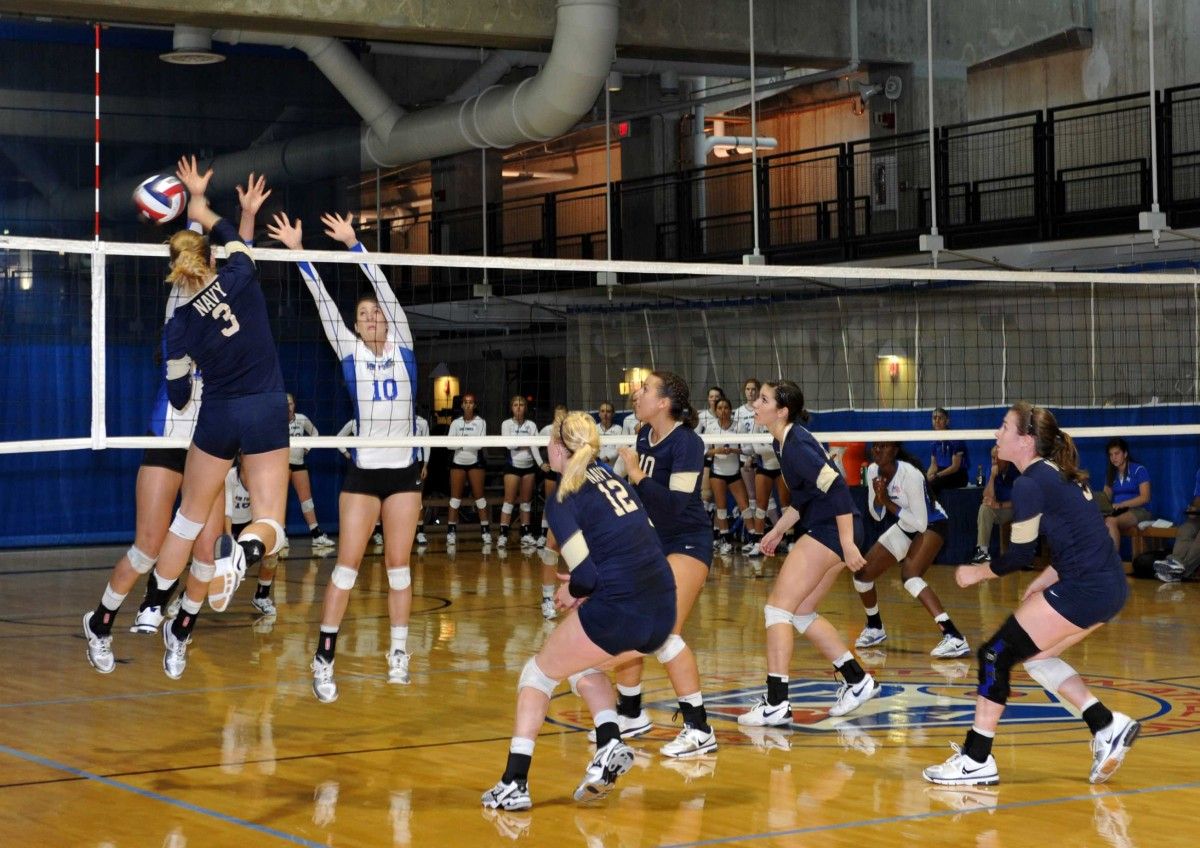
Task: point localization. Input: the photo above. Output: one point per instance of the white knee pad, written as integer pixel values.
(506, 508)
(140, 562)
(481, 504)
(760, 513)
(399, 578)
(803, 622)
(915, 586)
(343, 577)
(751, 505)
(862, 586)
(280, 534)
(723, 514)
(670, 649)
(775, 615)
(307, 506)
(185, 528)
(527, 507)
(575, 678)
(203, 571)
(1050, 673)
(534, 678)
(455, 503)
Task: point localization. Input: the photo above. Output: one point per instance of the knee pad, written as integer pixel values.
(670, 649)
(775, 615)
(343, 577)
(534, 678)
(862, 586)
(1010, 645)
(723, 514)
(760, 513)
(140, 562)
(399, 578)
(280, 534)
(455, 503)
(481, 505)
(203, 571)
(184, 527)
(751, 506)
(527, 507)
(915, 586)
(307, 506)
(506, 509)
(574, 679)
(803, 622)
(1050, 673)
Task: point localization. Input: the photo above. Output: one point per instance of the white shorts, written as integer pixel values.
(896, 541)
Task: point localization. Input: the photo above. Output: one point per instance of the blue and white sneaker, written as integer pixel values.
(763, 714)
(608, 763)
(961, 769)
(850, 698)
(1110, 745)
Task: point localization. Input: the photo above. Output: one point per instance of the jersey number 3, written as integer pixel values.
(223, 312)
(615, 492)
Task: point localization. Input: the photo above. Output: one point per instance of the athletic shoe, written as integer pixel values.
(608, 763)
(99, 648)
(631, 726)
(1110, 745)
(527, 541)
(485, 537)
(175, 655)
(980, 556)
(512, 825)
(768, 738)
(870, 637)
(147, 620)
(508, 796)
(377, 540)
(541, 541)
(724, 547)
(755, 550)
(422, 540)
(175, 605)
(323, 685)
(690, 743)
(230, 569)
(950, 647)
(961, 769)
(264, 605)
(451, 539)
(549, 612)
(1168, 570)
(502, 542)
(746, 548)
(693, 768)
(398, 667)
(323, 541)
(853, 738)
(850, 698)
(763, 714)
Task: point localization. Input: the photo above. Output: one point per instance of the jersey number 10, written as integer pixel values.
(390, 389)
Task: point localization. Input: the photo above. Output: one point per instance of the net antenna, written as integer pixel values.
(1153, 221)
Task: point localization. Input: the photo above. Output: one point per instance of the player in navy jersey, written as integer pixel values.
(896, 487)
(616, 564)
(380, 369)
(1082, 588)
(821, 503)
(665, 468)
(159, 480)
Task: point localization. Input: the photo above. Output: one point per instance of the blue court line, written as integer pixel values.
(938, 814)
(155, 796)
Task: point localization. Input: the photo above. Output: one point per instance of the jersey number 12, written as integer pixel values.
(615, 492)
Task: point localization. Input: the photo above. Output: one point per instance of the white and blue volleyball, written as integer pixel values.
(160, 198)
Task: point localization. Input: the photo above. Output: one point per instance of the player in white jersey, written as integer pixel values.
(300, 425)
(520, 473)
(237, 517)
(378, 360)
(467, 467)
(608, 453)
(743, 418)
(704, 419)
(158, 482)
(726, 459)
(422, 429)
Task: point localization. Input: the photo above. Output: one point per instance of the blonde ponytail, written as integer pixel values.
(191, 266)
(578, 434)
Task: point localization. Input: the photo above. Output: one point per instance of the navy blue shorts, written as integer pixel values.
(827, 534)
(696, 545)
(252, 424)
(1085, 604)
(618, 626)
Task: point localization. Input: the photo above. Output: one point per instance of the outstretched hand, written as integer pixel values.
(189, 174)
(254, 194)
(339, 228)
(283, 230)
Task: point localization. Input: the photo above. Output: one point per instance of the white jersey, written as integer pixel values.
(381, 387)
(519, 457)
(608, 453)
(350, 428)
(630, 425)
(460, 427)
(907, 490)
(300, 426)
(704, 420)
(768, 460)
(743, 422)
(725, 464)
(237, 498)
(422, 429)
(165, 419)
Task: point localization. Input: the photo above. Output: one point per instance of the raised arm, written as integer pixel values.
(342, 229)
(291, 234)
(196, 184)
(251, 199)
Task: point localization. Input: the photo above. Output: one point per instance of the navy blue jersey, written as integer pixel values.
(1045, 503)
(671, 487)
(819, 492)
(224, 330)
(943, 453)
(1002, 483)
(606, 539)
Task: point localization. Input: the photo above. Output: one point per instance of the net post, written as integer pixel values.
(99, 429)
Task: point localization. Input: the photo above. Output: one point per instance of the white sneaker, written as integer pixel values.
(175, 655)
(950, 647)
(854, 738)
(631, 727)
(541, 541)
(763, 714)
(377, 540)
(508, 796)
(230, 569)
(502, 542)
(147, 620)
(961, 769)
(99, 648)
(549, 612)
(850, 698)
(690, 743)
(323, 541)
(527, 541)
(980, 556)
(485, 537)
(175, 605)
(724, 547)
(1168, 570)
(755, 550)
(768, 738)
(1110, 745)
(264, 605)
(870, 636)
(323, 685)
(451, 539)
(608, 763)
(398, 667)
(746, 548)
(422, 540)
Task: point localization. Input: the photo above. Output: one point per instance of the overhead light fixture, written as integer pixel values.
(890, 350)
(191, 46)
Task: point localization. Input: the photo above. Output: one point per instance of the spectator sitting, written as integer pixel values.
(1184, 560)
(996, 507)
(1127, 488)
(948, 460)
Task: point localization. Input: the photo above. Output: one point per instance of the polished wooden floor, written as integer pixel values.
(239, 752)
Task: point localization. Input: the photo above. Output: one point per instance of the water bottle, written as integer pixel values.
(862, 475)
(979, 476)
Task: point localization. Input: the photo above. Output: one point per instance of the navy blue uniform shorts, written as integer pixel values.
(1085, 604)
(252, 424)
(827, 534)
(696, 545)
(631, 625)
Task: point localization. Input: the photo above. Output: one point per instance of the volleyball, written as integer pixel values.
(160, 198)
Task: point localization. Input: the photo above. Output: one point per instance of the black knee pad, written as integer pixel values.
(254, 551)
(1009, 646)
